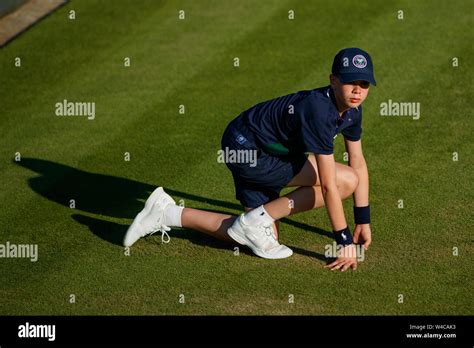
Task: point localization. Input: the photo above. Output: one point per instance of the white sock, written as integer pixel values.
(173, 215)
(258, 216)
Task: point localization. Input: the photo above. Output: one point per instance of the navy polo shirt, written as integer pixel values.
(305, 121)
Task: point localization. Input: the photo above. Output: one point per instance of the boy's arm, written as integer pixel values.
(332, 199)
(357, 162)
(333, 202)
(362, 232)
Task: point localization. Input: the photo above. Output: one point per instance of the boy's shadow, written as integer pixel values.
(119, 198)
(114, 233)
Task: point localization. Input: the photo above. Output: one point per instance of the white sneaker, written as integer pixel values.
(260, 239)
(151, 219)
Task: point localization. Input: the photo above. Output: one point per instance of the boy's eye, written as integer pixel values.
(365, 84)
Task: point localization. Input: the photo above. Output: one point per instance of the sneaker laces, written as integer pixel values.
(160, 227)
(268, 230)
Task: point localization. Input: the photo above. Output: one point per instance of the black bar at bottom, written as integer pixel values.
(412, 330)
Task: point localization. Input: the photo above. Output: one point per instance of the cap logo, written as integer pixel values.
(359, 61)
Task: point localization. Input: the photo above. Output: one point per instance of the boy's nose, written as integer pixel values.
(357, 89)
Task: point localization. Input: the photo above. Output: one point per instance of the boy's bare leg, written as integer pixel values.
(309, 195)
(213, 224)
(302, 199)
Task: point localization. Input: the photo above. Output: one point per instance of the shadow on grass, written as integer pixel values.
(121, 198)
(309, 253)
(114, 233)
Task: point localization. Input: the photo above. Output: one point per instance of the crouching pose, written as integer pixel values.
(288, 142)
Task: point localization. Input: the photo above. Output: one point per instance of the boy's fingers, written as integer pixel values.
(333, 264)
(343, 265)
(346, 266)
(349, 264)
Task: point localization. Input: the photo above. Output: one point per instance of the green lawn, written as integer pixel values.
(190, 62)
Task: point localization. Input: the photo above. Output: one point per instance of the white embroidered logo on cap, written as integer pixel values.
(359, 61)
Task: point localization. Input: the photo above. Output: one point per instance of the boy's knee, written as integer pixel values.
(353, 179)
(348, 180)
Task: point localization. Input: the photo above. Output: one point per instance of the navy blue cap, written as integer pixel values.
(352, 64)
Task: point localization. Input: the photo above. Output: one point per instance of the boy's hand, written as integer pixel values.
(346, 258)
(362, 235)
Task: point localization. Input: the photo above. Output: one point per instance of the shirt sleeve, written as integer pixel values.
(354, 131)
(316, 129)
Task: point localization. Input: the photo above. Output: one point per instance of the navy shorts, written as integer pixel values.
(258, 176)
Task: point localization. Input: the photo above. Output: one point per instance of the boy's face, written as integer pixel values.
(349, 95)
